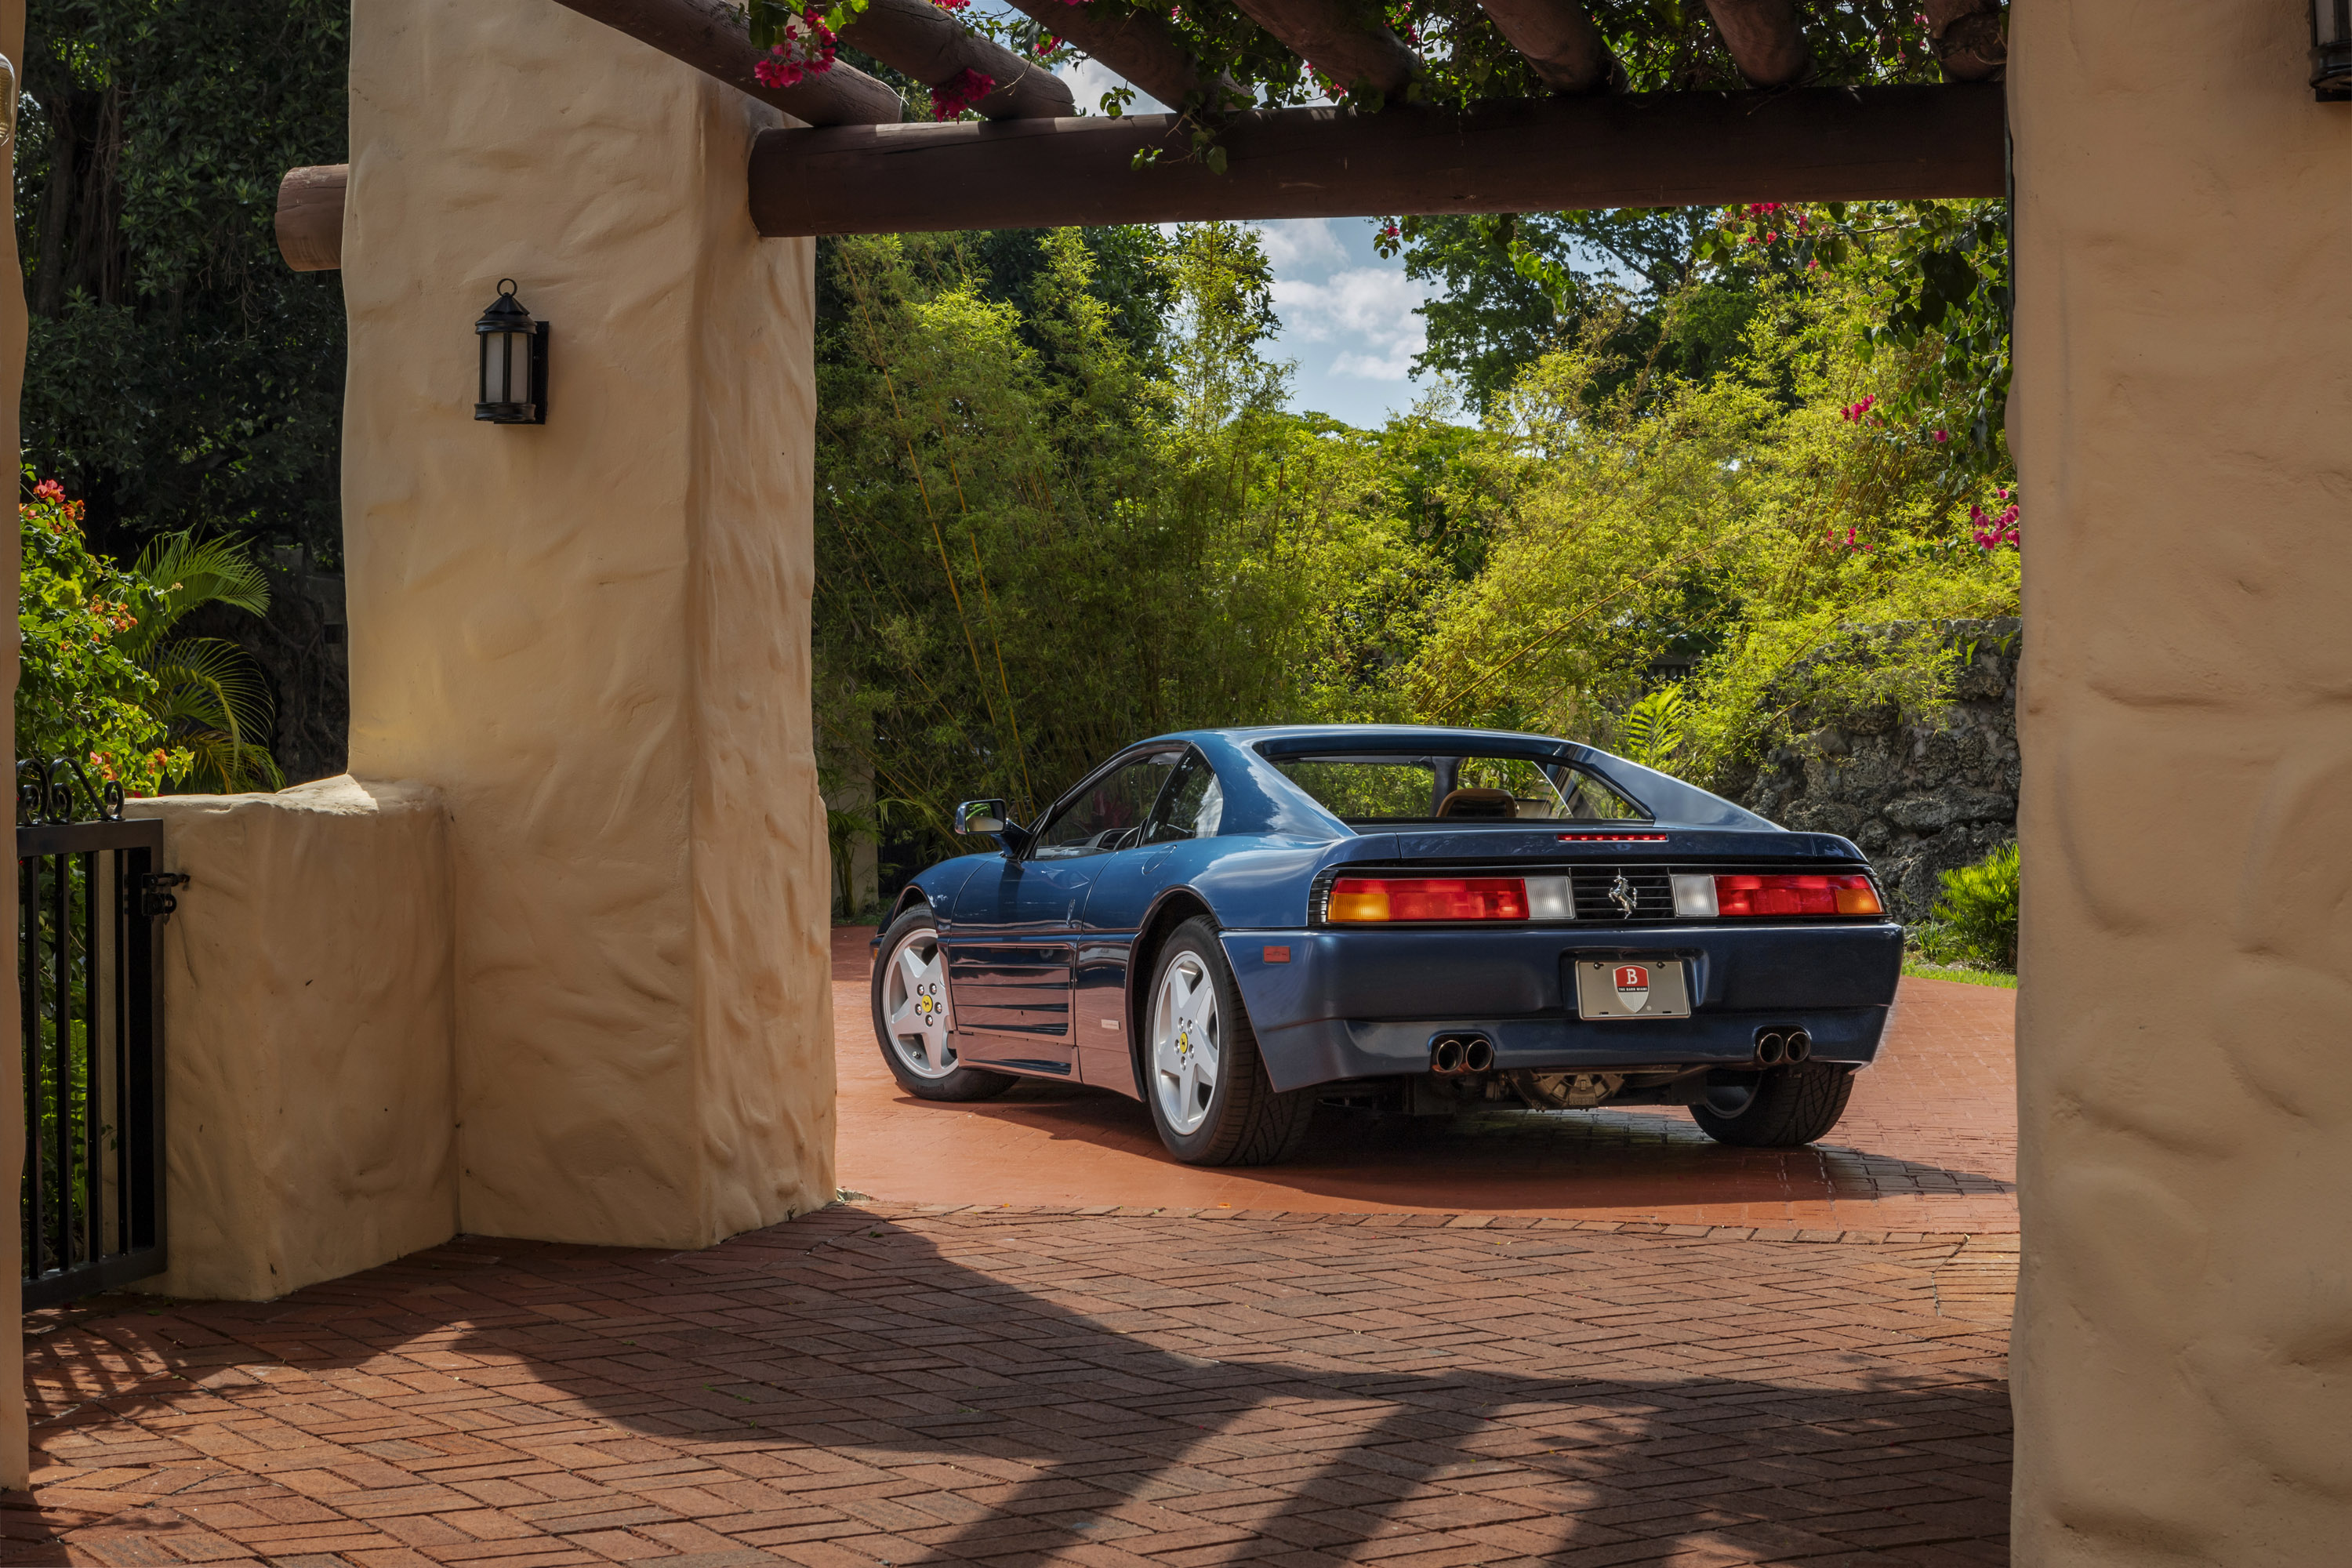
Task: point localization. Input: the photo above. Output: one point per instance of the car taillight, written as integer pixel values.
(1372, 899)
(1751, 896)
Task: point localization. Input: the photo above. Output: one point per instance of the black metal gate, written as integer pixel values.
(89, 893)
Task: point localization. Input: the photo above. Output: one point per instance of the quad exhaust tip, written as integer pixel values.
(1461, 1053)
(1775, 1048)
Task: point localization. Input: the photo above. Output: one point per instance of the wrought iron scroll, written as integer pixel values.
(58, 791)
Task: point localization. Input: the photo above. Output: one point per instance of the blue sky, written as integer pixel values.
(1348, 319)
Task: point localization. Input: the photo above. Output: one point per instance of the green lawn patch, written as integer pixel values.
(1954, 972)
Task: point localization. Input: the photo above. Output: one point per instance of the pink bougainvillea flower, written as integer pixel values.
(1994, 532)
(50, 490)
(952, 98)
(1942, 436)
(807, 50)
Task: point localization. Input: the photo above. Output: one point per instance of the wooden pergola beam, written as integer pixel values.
(1607, 151)
(708, 35)
(1970, 38)
(930, 44)
(1766, 42)
(1140, 47)
(310, 216)
(1339, 38)
(1559, 41)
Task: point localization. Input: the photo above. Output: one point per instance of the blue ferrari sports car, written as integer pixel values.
(1237, 926)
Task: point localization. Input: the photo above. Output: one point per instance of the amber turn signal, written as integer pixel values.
(1377, 899)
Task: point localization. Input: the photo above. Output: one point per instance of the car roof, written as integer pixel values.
(1671, 800)
(1356, 734)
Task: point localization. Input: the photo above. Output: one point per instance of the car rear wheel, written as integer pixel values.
(910, 1016)
(1203, 1079)
(1782, 1108)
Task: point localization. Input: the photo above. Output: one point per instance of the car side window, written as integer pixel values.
(1192, 808)
(1108, 814)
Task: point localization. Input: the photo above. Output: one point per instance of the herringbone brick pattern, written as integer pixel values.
(874, 1386)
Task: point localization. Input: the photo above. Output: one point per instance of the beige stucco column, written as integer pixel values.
(592, 638)
(13, 328)
(2183, 424)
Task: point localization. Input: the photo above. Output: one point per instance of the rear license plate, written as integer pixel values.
(1632, 988)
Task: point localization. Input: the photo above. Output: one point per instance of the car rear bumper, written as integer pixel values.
(1365, 1004)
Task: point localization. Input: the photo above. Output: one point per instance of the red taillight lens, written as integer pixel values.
(1363, 899)
(1753, 896)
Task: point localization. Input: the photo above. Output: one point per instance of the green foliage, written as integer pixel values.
(1743, 519)
(1515, 287)
(1655, 729)
(1974, 924)
(1043, 535)
(1938, 342)
(179, 375)
(1033, 546)
(80, 693)
(208, 693)
(104, 681)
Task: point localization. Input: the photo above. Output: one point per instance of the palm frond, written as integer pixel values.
(226, 765)
(192, 572)
(1653, 728)
(207, 683)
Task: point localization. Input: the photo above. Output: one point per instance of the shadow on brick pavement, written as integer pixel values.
(868, 1385)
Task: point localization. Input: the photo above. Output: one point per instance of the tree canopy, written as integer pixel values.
(179, 375)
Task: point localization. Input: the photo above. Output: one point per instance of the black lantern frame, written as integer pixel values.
(512, 384)
(2331, 51)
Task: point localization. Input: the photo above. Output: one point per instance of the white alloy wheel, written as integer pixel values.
(915, 1001)
(1186, 1042)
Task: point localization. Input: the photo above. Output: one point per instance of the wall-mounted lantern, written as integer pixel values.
(2331, 51)
(514, 361)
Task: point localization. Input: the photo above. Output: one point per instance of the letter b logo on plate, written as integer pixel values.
(1632, 986)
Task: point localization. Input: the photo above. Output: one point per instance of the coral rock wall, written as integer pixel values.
(1920, 798)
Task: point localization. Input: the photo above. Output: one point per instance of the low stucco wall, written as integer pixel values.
(2183, 425)
(309, 1077)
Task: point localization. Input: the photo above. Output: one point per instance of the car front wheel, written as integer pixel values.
(1203, 1079)
(1782, 1108)
(910, 1016)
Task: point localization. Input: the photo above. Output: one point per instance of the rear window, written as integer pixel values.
(1381, 787)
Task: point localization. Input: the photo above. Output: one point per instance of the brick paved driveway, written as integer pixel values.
(889, 1386)
(1191, 1368)
(1929, 1143)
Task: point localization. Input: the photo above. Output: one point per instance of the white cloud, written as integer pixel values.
(1293, 244)
(1369, 309)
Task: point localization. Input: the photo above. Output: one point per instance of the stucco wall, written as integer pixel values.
(592, 637)
(13, 327)
(2183, 424)
(308, 1065)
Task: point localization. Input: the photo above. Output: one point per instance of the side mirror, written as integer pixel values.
(980, 816)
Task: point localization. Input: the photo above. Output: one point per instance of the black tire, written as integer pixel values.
(960, 1083)
(1785, 1107)
(1246, 1124)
